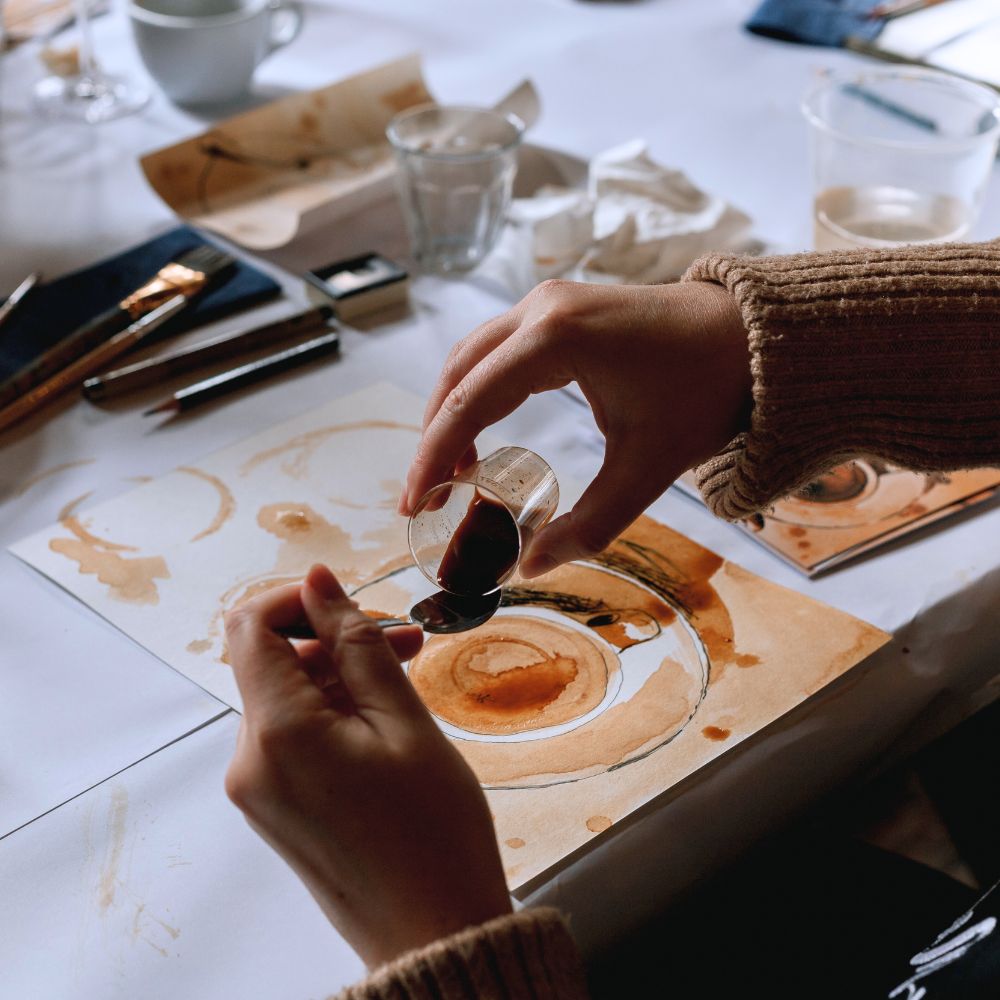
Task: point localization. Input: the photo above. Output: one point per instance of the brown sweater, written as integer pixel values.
(894, 354)
(888, 353)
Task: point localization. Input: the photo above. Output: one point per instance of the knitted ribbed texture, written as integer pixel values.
(893, 354)
(527, 955)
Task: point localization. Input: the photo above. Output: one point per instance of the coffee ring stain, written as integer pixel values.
(227, 502)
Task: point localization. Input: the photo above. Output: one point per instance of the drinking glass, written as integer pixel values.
(90, 95)
(467, 535)
(456, 168)
(899, 155)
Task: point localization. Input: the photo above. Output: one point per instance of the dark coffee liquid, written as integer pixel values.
(482, 551)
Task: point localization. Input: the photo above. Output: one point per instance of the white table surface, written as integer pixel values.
(116, 833)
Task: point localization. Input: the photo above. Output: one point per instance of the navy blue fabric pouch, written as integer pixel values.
(816, 22)
(53, 310)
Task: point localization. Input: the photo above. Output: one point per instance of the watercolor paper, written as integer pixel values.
(593, 691)
(152, 885)
(860, 506)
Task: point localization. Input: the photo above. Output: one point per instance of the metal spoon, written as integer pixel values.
(441, 613)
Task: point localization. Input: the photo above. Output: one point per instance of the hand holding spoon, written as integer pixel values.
(441, 614)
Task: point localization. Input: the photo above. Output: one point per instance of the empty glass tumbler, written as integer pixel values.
(456, 168)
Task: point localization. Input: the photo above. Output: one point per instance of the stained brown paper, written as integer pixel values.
(262, 176)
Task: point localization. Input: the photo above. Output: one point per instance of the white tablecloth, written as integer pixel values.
(123, 870)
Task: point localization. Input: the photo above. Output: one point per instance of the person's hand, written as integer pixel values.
(665, 369)
(341, 769)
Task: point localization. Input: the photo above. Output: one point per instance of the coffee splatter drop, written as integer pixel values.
(199, 645)
(598, 824)
(716, 733)
(515, 843)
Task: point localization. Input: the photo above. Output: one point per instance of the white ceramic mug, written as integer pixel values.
(206, 51)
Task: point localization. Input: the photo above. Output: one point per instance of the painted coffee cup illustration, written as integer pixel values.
(586, 668)
(467, 535)
(854, 494)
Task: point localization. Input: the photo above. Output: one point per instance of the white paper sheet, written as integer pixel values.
(78, 700)
(151, 885)
(166, 560)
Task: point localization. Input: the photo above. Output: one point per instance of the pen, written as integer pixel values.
(897, 8)
(122, 380)
(19, 293)
(71, 375)
(255, 371)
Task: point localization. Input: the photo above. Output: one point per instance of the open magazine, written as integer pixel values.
(857, 507)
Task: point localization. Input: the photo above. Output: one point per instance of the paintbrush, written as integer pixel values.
(145, 373)
(71, 375)
(255, 371)
(19, 293)
(188, 275)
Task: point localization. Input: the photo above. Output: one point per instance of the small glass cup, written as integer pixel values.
(456, 169)
(467, 535)
(900, 155)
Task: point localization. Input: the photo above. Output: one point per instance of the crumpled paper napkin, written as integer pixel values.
(636, 222)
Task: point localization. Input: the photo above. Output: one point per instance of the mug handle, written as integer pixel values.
(286, 23)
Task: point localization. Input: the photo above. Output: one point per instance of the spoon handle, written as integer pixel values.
(303, 630)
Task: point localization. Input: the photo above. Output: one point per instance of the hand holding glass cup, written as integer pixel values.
(900, 155)
(467, 535)
(456, 168)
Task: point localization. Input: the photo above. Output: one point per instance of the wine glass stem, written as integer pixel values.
(88, 65)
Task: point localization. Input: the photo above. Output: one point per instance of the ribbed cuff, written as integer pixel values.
(523, 955)
(893, 354)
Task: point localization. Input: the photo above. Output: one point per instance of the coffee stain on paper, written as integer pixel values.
(130, 579)
(309, 537)
(513, 675)
(111, 872)
(227, 503)
(297, 451)
(257, 176)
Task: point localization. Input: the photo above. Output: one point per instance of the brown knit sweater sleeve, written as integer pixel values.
(524, 956)
(888, 353)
